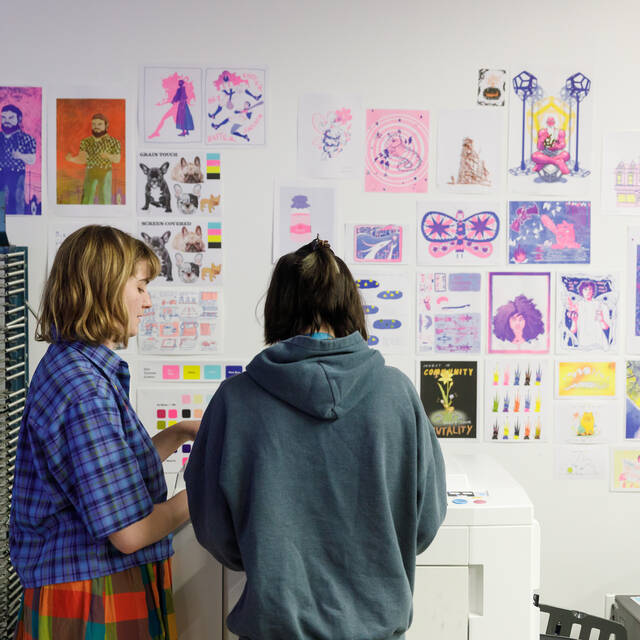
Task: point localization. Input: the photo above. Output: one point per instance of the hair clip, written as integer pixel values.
(316, 243)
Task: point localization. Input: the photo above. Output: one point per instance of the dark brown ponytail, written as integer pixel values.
(310, 288)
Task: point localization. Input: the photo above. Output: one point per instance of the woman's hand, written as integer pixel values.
(169, 439)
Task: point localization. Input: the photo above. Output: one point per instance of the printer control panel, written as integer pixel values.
(467, 497)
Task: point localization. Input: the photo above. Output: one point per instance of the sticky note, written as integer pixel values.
(212, 372)
(171, 372)
(191, 372)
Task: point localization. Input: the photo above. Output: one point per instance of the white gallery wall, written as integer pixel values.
(406, 54)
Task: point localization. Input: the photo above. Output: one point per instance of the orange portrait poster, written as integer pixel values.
(90, 151)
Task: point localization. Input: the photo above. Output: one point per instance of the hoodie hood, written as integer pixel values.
(322, 378)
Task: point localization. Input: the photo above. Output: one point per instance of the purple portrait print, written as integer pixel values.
(519, 312)
(21, 150)
(518, 321)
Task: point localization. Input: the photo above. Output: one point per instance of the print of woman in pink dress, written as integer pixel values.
(179, 94)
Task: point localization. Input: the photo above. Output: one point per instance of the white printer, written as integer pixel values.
(475, 581)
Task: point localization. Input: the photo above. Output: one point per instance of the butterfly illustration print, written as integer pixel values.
(474, 234)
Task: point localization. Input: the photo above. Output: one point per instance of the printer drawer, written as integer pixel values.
(449, 547)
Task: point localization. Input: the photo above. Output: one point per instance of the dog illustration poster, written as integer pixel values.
(470, 144)
(632, 400)
(171, 104)
(518, 400)
(182, 321)
(190, 251)
(301, 212)
(21, 152)
(587, 312)
(183, 183)
(449, 312)
(448, 391)
(235, 106)
(387, 308)
(90, 155)
(621, 172)
(160, 409)
(578, 379)
(586, 421)
(581, 462)
(550, 145)
(549, 232)
(397, 151)
(375, 243)
(330, 136)
(625, 469)
(492, 87)
(459, 233)
(633, 289)
(519, 312)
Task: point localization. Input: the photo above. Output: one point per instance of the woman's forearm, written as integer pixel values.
(165, 518)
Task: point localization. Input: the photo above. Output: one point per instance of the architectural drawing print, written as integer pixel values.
(472, 168)
(469, 151)
(621, 172)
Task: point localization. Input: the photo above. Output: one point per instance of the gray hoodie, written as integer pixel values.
(318, 473)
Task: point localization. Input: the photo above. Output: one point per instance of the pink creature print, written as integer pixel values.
(398, 154)
(564, 231)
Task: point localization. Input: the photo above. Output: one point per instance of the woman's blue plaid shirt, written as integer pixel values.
(85, 468)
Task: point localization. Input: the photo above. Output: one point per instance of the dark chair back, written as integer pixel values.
(561, 621)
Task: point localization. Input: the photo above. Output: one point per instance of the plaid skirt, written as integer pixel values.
(135, 604)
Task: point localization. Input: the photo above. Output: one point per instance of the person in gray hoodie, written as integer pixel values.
(317, 471)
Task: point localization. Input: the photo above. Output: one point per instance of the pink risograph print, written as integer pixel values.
(172, 104)
(397, 150)
(21, 150)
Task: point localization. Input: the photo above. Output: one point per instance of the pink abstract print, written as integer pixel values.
(397, 146)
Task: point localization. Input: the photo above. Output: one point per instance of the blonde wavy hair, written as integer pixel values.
(83, 298)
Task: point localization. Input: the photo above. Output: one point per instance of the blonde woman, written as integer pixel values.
(90, 518)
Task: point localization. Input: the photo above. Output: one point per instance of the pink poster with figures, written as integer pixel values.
(171, 104)
(235, 106)
(397, 151)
